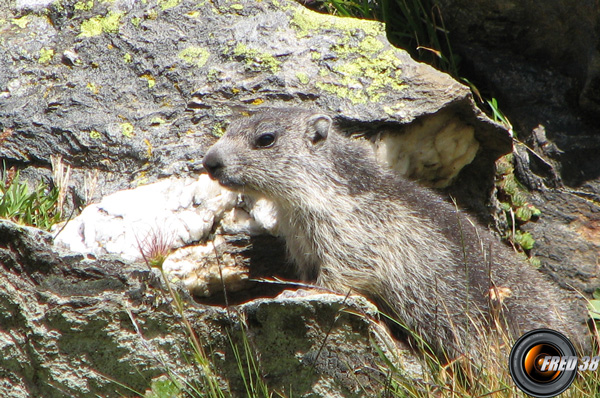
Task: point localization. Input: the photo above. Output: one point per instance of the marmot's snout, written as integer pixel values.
(213, 163)
(218, 166)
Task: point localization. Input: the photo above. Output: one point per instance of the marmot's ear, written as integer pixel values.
(318, 127)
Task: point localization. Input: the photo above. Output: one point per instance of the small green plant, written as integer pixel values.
(154, 248)
(594, 308)
(513, 202)
(248, 367)
(38, 207)
(164, 388)
(364, 9)
(497, 115)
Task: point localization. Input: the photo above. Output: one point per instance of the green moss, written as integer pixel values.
(166, 4)
(95, 135)
(46, 55)
(21, 22)
(97, 25)
(237, 7)
(135, 21)
(127, 58)
(257, 60)
(157, 121)
(195, 55)
(127, 129)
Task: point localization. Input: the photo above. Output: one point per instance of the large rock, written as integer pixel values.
(78, 327)
(127, 92)
(540, 59)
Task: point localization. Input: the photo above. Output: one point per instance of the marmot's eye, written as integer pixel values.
(265, 140)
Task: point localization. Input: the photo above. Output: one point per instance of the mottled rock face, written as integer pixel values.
(541, 60)
(80, 327)
(129, 92)
(136, 90)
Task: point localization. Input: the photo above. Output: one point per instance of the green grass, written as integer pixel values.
(491, 379)
(37, 207)
(459, 378)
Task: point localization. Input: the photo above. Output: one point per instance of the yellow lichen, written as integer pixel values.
(127, 129)
(309, 22)
(370, 44)
(166, 4)
(148, 147)
(93, 88)
(21, 22)
(194, 55)
(46, 55)
(364, 78)
(97, 25)
(256, 60)
(84, 5)
(302, 77)
(150, 79)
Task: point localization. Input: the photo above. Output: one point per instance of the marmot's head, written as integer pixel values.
(277, 152)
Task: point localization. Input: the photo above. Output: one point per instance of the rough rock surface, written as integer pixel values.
(127, 92)
(78, 327)
(541, 61)
(130, 92)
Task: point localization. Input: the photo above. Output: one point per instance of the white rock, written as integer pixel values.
(176, 211)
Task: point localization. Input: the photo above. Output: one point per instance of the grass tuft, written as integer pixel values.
(39, 207)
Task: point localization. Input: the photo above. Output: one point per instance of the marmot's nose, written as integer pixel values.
(212, 162)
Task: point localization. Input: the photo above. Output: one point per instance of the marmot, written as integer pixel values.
(351, 225)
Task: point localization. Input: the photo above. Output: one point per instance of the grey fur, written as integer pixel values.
(351, 225)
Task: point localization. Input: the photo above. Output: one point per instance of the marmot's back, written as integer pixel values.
(351, 225)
